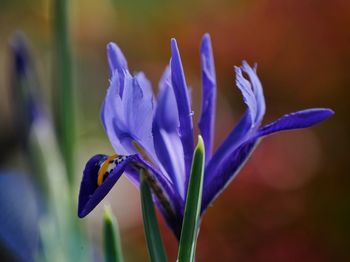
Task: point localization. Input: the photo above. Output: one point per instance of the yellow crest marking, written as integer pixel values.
(103, 169)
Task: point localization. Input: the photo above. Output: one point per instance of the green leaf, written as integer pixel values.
(189, 233)
(112, 243)
(63, 87)
(154, 242)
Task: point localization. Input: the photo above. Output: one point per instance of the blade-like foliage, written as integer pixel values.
(154, 242)
(112, 243)
(63, 87)
(190, 224)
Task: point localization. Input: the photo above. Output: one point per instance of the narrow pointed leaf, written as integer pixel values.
(154, 242)
(63, 87)
(112, 243)
(190, 224)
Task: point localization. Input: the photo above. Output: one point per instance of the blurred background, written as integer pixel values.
(291, 200)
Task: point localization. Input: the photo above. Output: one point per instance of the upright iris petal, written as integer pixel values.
(162, 131)
(166, 133)
(207, 120)
(127, 111)
(183, 105)
(117, 64)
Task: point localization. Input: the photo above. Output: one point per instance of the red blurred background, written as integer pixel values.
(291, 200)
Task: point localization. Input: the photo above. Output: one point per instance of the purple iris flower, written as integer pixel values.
(156, 135)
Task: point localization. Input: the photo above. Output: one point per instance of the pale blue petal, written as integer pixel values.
(116, 59)
(112, 116)
(117, 64)
(248, 94)
(137, 104)
(258, 91)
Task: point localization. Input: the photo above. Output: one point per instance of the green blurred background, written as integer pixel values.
(291, 200)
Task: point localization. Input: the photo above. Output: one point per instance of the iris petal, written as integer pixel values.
(167, 114)
(116, 59)
(246, 128)
(127, 116)
(257, 89)
(207, 118)
(251, 90)
(226, 171)
(221, 170)
(234, 140)
(137, 105)
(91, 194)
(183, 105)
(117, 65)
(166, 133)
(112, 115)
(296, 120)
(248, 94)
(166, 137)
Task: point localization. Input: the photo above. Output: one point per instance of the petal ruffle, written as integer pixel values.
(207, 119)
(247, 126)
(296, 120)
(183, 105)
(257, 89)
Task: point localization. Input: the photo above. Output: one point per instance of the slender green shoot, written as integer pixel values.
(112, 242)
(63, 87)
(190, 226)
(155, 246)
